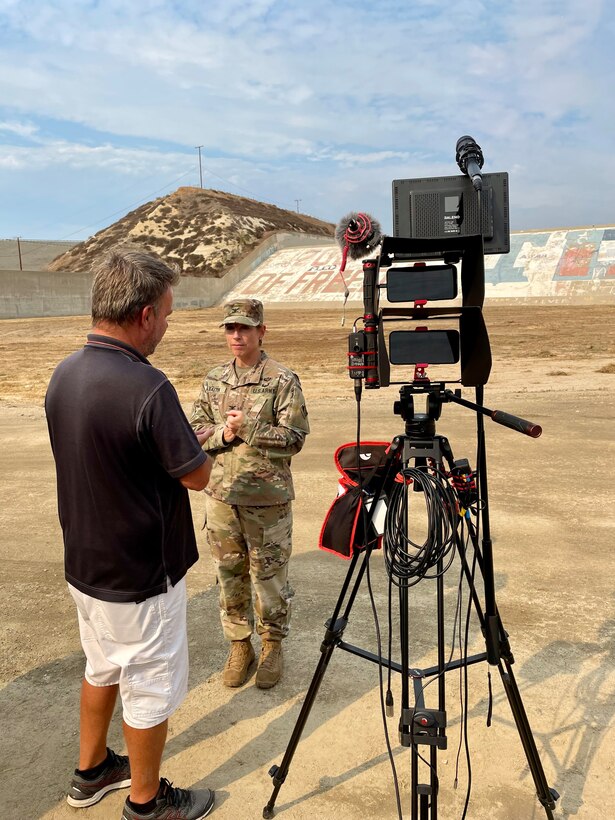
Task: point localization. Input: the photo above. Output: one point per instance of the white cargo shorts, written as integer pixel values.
(142, 647)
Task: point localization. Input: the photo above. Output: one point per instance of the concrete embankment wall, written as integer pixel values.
(564, 266)
(26, 293)
(31, 254)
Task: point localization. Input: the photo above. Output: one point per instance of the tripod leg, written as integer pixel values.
(333, 636)
(414, 776)
(278, 773)
(546, 795)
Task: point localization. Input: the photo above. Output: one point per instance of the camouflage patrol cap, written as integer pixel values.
(243, 312)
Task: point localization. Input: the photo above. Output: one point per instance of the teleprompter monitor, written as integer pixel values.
(424, 346)
(445, 207)
(432, 283)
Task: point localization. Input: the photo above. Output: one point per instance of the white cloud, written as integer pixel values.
(323, 101)
(21, 129)
(75, 156)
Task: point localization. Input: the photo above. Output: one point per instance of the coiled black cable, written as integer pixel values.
(406, 561)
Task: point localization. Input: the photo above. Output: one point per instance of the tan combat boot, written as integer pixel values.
(269, 665)
(238, 663)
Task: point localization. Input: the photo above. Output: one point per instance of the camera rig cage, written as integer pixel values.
(463, 340)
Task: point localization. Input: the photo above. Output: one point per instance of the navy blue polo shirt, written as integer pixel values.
(121, 441)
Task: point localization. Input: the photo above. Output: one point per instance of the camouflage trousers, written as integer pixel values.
(251, 547)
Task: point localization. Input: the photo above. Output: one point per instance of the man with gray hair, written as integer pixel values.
(125, 458)
(254, 411)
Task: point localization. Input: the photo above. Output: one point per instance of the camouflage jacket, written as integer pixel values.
(254, 469)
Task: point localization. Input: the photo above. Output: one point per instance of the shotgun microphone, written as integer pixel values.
(470, 160)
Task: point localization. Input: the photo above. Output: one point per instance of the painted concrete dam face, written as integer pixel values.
(560, 266)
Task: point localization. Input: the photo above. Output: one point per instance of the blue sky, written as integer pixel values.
(103, 103)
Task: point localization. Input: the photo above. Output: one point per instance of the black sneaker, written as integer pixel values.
(115, 775)
(175, 804)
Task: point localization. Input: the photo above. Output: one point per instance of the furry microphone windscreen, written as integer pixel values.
(359, 232)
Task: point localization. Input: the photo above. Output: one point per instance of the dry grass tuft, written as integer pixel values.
(607, 368)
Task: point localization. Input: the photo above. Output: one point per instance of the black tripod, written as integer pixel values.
(419, 725)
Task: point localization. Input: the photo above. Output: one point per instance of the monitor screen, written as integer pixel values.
(445, 207)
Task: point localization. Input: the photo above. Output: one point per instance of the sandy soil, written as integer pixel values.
(552, 522)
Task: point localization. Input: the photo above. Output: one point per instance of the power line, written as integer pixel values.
(90, 208)
(145, 198)
(127, 208)
(232, 184)
(239, 187)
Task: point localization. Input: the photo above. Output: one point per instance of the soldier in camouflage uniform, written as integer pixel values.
(256, 411)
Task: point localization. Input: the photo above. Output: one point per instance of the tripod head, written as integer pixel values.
(420, 425)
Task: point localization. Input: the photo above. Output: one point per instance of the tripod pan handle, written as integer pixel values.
(528, 428)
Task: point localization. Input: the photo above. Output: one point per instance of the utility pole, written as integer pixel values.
(19, 253)
(198, 148)
(297, 201)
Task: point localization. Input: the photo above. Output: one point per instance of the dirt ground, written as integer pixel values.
(552, 524)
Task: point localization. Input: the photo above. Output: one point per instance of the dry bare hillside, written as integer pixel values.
(203, 231)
